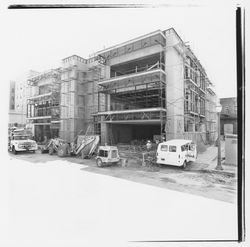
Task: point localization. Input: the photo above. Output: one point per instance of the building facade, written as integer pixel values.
(43, 105)
(154, 86)
(211, 114)
(12, 96)
(147, 88)
(228, 116)
(19, 92)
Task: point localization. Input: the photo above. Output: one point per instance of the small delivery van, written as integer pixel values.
(176, 152)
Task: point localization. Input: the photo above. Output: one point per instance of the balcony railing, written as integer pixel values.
(133, 76)
(134, 115)
(138, 69)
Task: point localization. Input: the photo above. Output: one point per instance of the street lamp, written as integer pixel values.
(218, 110)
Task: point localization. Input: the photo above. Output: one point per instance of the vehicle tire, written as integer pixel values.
(184, 165)
(99, 162)
(14, 150)
(51, 150)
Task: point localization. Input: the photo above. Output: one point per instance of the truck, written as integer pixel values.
(20, 140)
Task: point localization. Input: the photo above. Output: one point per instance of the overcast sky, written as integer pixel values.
(39, 39)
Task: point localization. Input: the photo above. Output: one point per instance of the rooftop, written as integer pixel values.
(132, 40)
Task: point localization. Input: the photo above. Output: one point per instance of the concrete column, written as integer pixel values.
(104, 132)
(174, 94)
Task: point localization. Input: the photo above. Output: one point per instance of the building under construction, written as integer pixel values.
(145, 88)
(43, 106)
(154, 86)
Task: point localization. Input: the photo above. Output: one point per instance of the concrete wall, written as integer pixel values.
(79, 98)
(228, 121)
(174, 93)
(104, 132)
(135, 54)
(17, 117)
(199, 138)
(69, 111)
(229, 106)
(75, 112)
(231, 144)
(12, 96)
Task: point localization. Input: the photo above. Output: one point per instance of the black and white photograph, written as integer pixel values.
(121, 125)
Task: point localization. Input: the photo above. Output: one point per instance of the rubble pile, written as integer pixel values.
(132, 153)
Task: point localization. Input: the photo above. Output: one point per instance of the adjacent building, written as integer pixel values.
(228, 116)
(43, 105)
(211, 114)
(19, 92)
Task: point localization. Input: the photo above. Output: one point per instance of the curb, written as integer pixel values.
(223, 172)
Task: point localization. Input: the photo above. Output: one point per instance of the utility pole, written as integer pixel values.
(219, 166)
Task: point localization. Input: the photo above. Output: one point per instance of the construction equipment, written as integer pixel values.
(107, 155)
(86, 145)
(56, 145)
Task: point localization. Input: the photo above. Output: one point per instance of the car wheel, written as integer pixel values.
(14, 150)
(99, 162)
(184, 164)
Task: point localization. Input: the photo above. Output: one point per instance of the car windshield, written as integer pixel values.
(172, 148)
(103, 153)
(21, 137)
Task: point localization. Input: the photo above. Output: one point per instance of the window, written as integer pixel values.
(184, 148)
(113, 154)
(192, 147)
(164, 148)
(187, 71)
(172, 148)
(103, 153)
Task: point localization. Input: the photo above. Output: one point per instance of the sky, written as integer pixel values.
(39, 39)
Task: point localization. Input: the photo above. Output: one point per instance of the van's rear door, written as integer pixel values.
(192, 152)
(162, 154)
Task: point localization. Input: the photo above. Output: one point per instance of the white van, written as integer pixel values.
(176, 152)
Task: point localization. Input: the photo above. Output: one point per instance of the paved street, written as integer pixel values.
(195, 179)
(62, 203)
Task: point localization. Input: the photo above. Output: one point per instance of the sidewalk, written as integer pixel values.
(207, 160)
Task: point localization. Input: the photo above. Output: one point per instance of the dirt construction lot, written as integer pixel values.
(194, 179)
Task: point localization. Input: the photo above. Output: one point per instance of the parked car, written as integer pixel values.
(107, 155)
(176, 152)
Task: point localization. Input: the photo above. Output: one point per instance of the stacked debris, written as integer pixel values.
(133, 154)
(85, 146)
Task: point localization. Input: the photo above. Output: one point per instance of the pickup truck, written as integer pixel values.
(21, 142)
